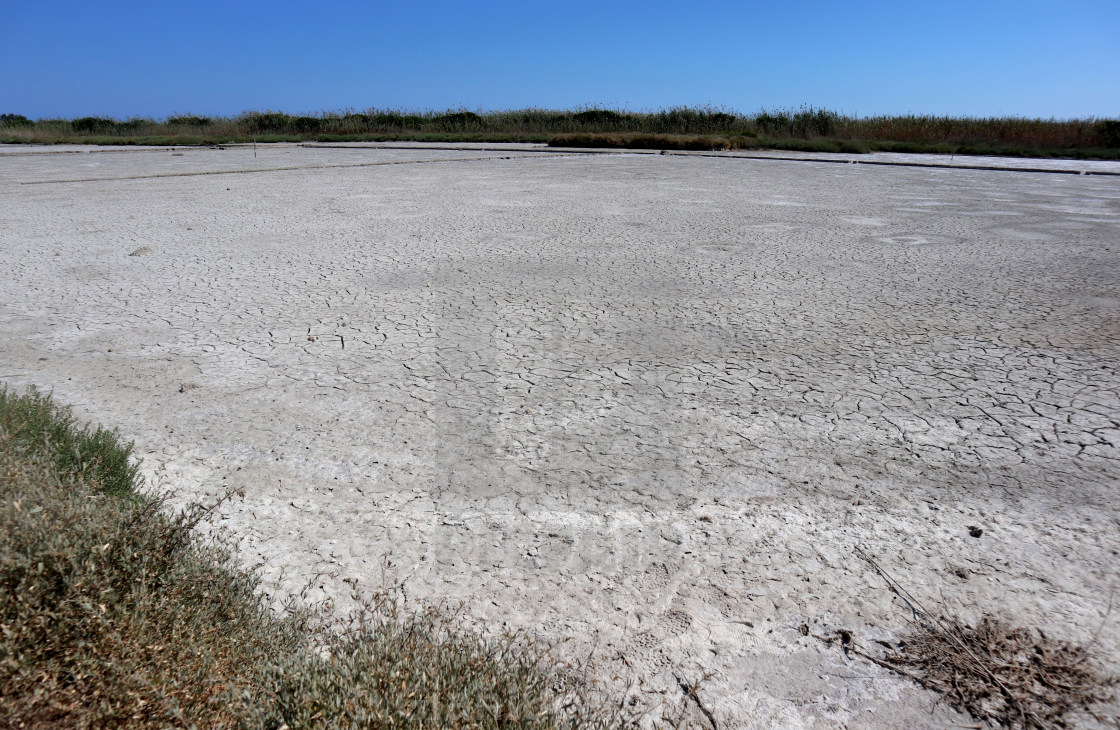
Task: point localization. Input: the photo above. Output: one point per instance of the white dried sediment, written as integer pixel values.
(653, 403)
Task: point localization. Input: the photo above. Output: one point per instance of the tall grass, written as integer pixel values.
(804, 129)
(804, 123)
(114, 613)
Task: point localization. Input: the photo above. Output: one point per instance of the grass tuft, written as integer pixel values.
(94, 456)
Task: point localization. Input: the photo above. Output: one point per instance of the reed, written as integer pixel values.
(806, 128)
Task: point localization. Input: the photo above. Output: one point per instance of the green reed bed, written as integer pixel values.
(795, 129)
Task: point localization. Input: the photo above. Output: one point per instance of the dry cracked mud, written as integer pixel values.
(650, 404)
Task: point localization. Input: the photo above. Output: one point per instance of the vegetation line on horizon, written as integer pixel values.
(808, 128)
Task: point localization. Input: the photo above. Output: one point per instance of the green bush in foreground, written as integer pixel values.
(94, 456)
(114, 614)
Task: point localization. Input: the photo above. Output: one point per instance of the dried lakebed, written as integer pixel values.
(652, 404)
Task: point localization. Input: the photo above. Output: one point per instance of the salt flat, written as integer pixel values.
(651, 403)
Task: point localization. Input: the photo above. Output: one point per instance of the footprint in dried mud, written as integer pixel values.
(676, 623)
(671, 624)
(657, 576)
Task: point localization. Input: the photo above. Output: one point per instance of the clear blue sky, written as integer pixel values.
(978, 58)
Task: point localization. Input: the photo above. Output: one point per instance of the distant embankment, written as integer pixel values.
(804, 129)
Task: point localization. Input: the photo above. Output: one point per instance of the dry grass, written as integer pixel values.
(1013, 677)
(114, 614)
(1008, 676)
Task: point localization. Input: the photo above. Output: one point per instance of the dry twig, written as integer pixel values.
(997, 673)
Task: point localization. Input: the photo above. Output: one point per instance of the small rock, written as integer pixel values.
(142, 251)
(184, 387)
(975, 531)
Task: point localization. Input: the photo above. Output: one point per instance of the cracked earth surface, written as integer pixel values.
(651, 404)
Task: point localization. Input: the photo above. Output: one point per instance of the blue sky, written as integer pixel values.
(978, 58)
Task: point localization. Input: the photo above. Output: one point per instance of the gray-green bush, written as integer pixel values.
(113, 613)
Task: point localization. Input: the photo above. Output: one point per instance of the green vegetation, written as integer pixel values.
(189, 120)
(93, 456)
(705, 142)
(15, 120)
(114, 613)
(642, 141)
(805, 129)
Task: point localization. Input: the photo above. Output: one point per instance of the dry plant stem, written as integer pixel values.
(854, 648)
(1043, 679)
(690, 693)
(897, 587)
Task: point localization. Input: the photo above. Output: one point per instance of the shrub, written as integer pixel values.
(92, 455)
(1004, 675)
(850, 146)
(685, 120)
(1080, 138)
(114, 614)
(810, 122)
(1108, 133)
(93, 125)
(598, 118)
(803, 145)
(457, 122)
(189, 120)
(15, 120)
(133, 126)
(305, 125)
(111, 619)
(818, 144)
(352, 123)
(258, 122)
(906, 147)
(776, 122)
(806, 122)
(749, 141)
